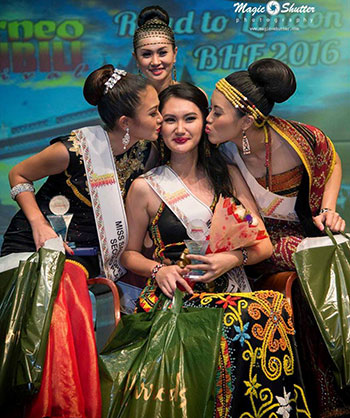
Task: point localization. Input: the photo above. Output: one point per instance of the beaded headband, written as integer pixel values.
(151, 29)
(113, 79)
(241, 102)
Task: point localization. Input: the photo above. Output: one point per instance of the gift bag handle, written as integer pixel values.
(331, 236)
(175, 302)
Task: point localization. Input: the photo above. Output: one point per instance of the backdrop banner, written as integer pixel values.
(47, 49)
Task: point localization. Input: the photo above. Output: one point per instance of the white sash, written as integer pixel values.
(270, 204)
(176, 195)
(106, 197)
(187, 207)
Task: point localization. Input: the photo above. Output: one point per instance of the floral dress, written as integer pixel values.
(257, 373)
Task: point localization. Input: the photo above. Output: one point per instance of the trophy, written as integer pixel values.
(60, 220)
(197, 230)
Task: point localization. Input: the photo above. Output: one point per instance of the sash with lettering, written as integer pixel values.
(187, 207)
(106, 197)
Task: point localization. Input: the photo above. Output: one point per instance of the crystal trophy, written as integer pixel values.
(60, 220)
(197, 230)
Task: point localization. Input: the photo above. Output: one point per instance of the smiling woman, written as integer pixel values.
(256, 361)
(154, 47)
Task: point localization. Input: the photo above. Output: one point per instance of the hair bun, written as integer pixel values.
(275, 77)
(94, 86)
(152, 12)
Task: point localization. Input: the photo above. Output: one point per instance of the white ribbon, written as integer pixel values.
(176, 195)
(106, 197)
(271, 205)
(187, 207)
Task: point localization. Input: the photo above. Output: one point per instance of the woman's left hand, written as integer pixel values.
(214, 265)
(331, 219)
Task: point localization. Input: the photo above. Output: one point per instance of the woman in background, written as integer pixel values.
(154, 47)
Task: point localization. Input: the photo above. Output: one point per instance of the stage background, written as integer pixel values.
(47, 48)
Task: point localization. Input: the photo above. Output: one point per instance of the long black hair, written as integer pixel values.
(209, 157)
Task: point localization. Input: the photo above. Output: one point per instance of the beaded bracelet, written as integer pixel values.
(20, 188)
(324, 210)
(155, 270)
(245, 256)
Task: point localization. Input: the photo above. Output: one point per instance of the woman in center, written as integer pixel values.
(257, 372)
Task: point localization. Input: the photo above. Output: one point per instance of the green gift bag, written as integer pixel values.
(323, 266)
(162, 363)
(27, 294)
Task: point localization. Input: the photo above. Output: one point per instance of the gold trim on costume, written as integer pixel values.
(333, 160)
(76, 191)
(79, 265)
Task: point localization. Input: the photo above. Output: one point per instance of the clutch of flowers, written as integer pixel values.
(232, 227)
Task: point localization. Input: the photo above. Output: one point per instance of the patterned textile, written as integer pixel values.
(318, 156)
(257, 369)
(285, 237)
(285, 184)
(316, 152)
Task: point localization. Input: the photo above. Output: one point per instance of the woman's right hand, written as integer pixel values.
(167, 278)
(42, 231)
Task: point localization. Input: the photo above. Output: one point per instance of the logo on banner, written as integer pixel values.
(274, 16)
(273, 8)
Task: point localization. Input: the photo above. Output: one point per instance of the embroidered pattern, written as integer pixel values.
(255, 353)
(272, 207)
(130, 164)
(175, 197)
(102, 180)
(315, 150)
(94, 193)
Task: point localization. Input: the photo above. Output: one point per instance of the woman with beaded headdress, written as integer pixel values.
(154, 47)
(89, 173)
(293, 172)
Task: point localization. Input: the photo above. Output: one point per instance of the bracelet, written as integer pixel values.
(20, 188)
(324, 210)
(155, 270)
(245, 256)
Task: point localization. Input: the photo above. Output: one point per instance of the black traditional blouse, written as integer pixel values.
(72, 183)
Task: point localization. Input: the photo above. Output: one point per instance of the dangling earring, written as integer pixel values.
(140, 73)
(126, 139)
(245, 144)
(174, 73)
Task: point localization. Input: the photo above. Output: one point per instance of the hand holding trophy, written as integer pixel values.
(60, 219)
